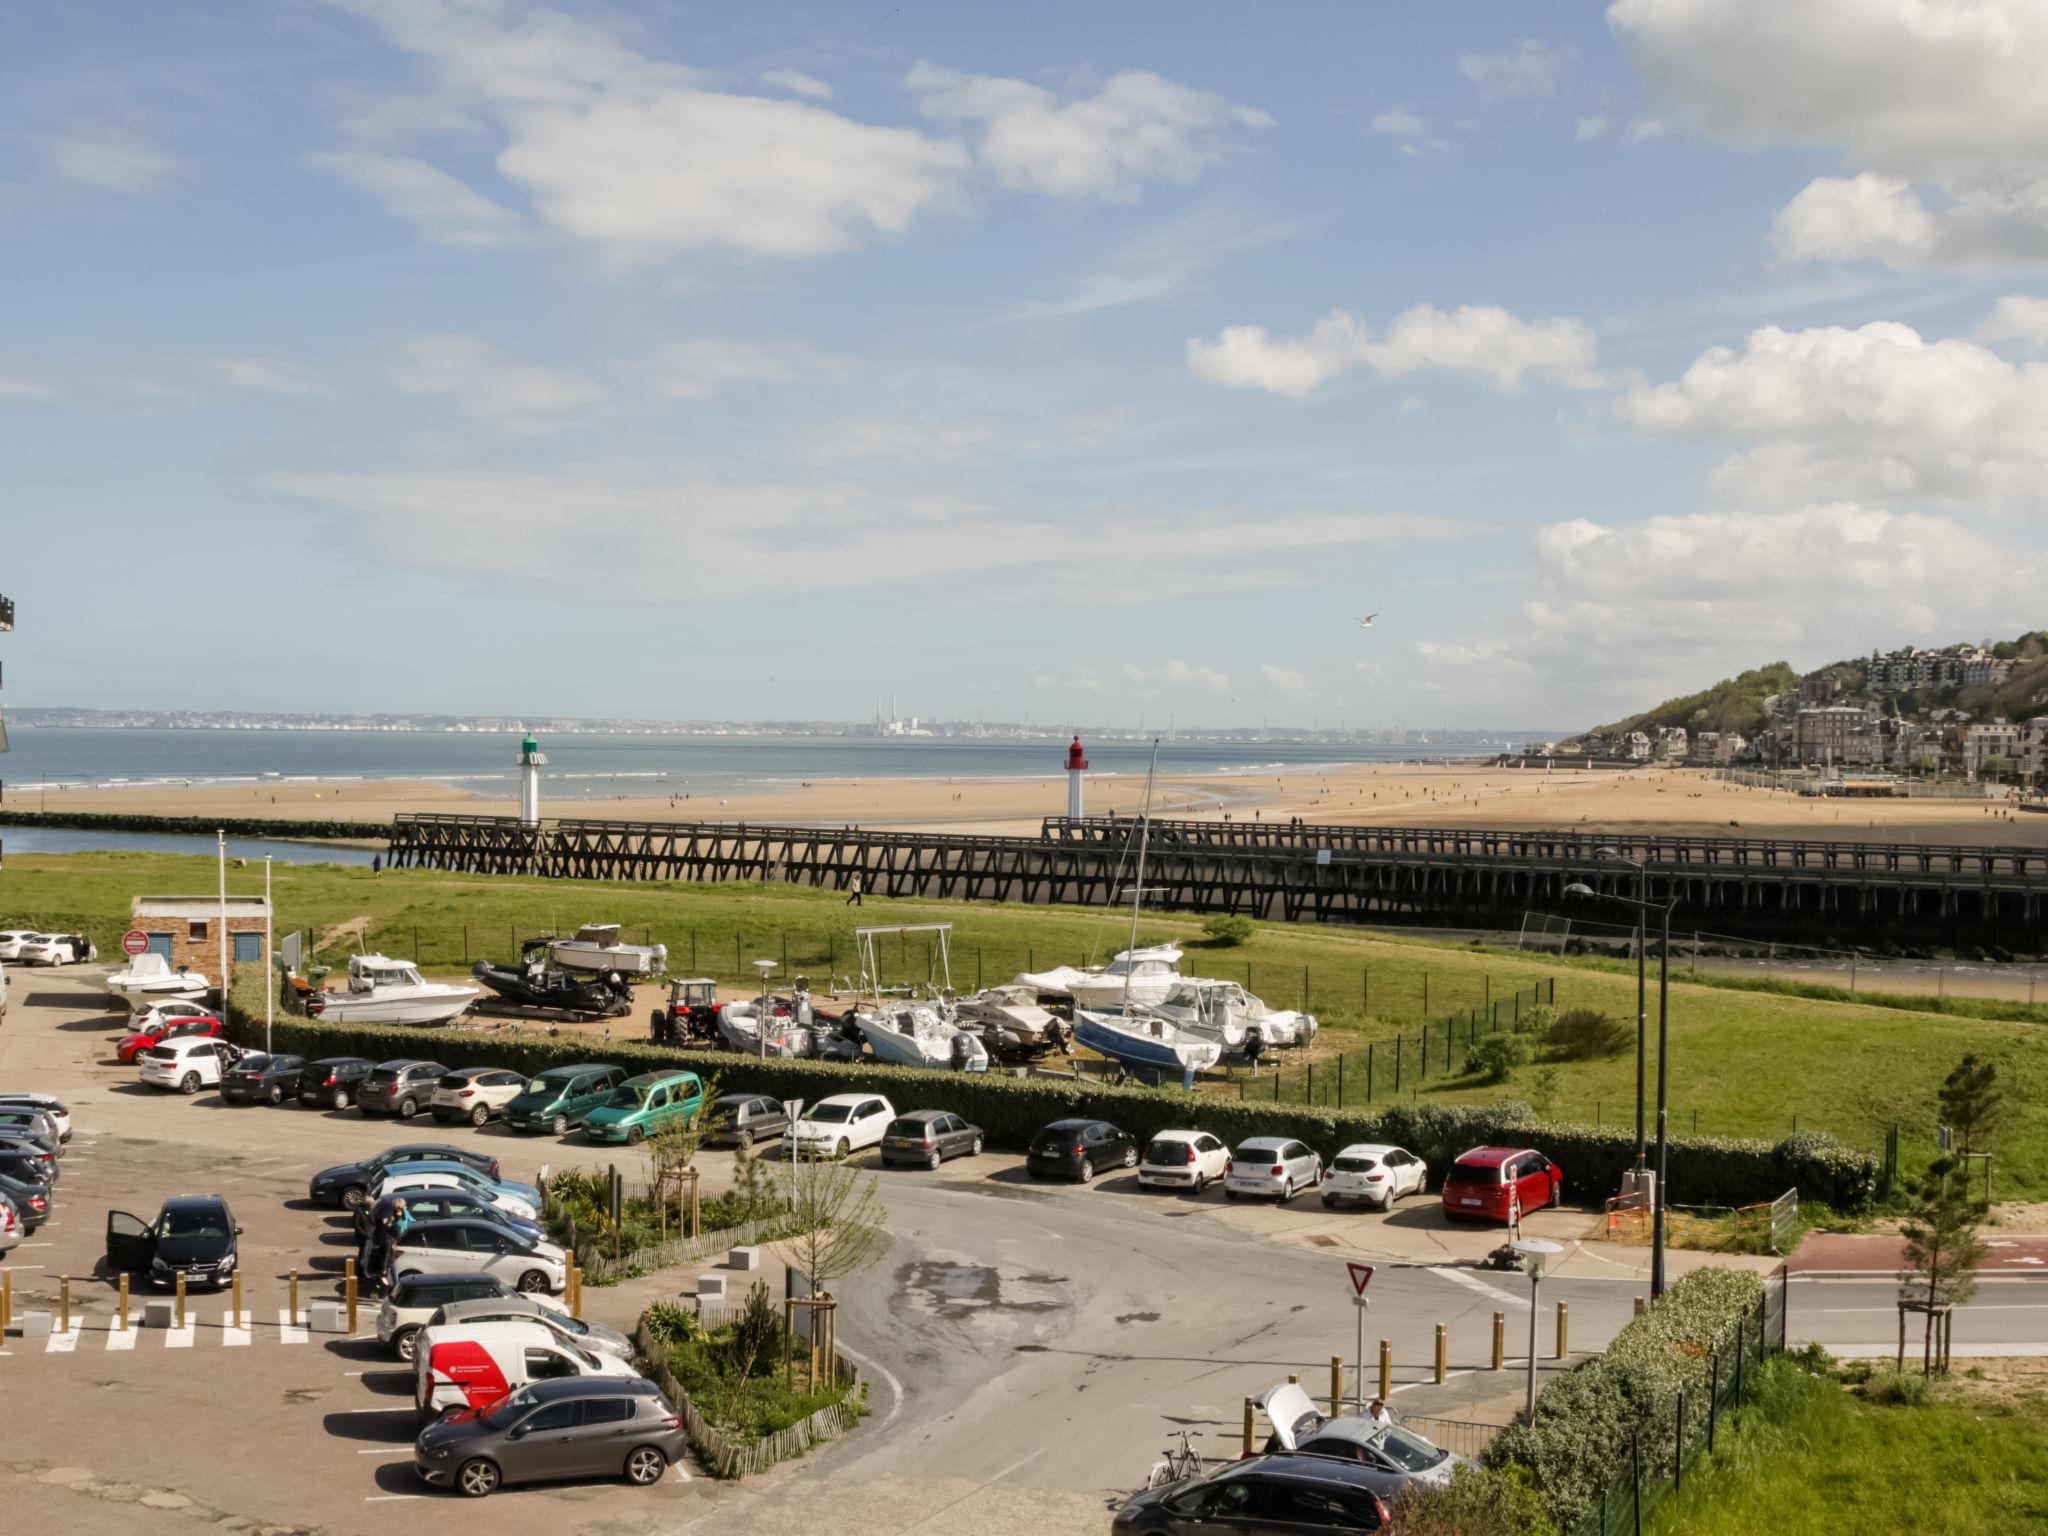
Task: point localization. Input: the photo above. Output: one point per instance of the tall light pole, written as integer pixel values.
(269, 958)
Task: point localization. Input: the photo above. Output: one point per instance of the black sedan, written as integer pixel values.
(1079, 1149)
(271, 1079)
(1267, 1494)
(349, 1183)
(333, 1080)
(929, 1137)
(193, 1236)
(31, 1198)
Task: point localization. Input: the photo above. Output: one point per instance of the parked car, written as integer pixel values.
(11, 940)
(1271, 1165)
(437, 1247)
(348, 1184)
(1079, 1149)
(1396, 1459)
(22, 1123)
(606, 1426)
(475, 1366)
(544, 1310)
(929, 1136)
(1266, 1496)
(1374, 1174)
(475, 1094)
(558, 1099)
(165, 1010)
(186, 1064)
(55, 949)
(741, 1119)
(435, 1202)
(203, 1026)
(53, 1107)
(31, 1198)
(642, 1105)
(333, 1080)
(193, 1236)
(843, 1123)
(519, 1201)
(12, 1228)
(257, 1076)
(414, 1300)
(1499, 1183)
(28, 1166)
(1182, 1160)
(401, 1088)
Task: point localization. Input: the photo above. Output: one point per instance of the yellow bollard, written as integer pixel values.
(348, 1291)
(1564, 1329)
(575, 1289)
(1443, 1352)
(295, 1298)
(6, 1299)
(123, 1287)
(64, 1292)
(1336, 1386)
(237, 1287)
(1251, 1424)
(1386, 1369)
(181, 1301)
(1500, 1340)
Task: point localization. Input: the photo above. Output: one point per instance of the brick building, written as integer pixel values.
(185, 930)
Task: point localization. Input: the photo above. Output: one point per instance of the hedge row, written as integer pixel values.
(204, 826)
(1010, 1110)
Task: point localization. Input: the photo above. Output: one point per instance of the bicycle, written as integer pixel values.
(1176, 1464)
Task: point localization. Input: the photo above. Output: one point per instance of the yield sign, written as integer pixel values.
(1361, 1277)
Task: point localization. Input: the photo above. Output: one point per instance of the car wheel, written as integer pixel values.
(932, 1159)
(189, 1083)
(1229, 1193)
(275, 1095)
(477, 1478)
(635, 1135)
(1130, 1157)
(645, 1466)
(338, 1099)
(407, 1108)
(479, 1115)
(974, 1147)
(353, 1197)
(534, 1283)
(843, 1148)
(1286, 1191)
(559, 1125)
(1087, 1170)
(405, 1344)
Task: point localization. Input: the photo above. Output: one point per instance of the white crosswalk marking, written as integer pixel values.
(62, 1343)
(118, 1338)
(1459, 1277)
(289, 1332)
(230, 1334)
(179, 1338)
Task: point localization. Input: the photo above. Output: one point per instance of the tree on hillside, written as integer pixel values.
(1970, 1104)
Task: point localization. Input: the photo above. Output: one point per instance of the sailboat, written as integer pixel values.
(1133, 1034)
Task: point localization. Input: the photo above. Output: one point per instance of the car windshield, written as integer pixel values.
(1409, 1452)
(252, 1064)
(836, 1114)
(1169, 1154)
(200, 1223)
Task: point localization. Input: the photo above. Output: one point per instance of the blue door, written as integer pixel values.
(160, 944)
(248, 948)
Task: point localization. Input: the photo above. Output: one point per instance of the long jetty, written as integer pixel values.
(1303, 872)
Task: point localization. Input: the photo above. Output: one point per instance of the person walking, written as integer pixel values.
(383, 1243)
(853, 891)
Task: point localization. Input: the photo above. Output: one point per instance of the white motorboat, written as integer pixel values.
(1011, 1019)
(382, 990)
(769, 1026)
(1134, 976)
(919, 1035)
(150, 978)
(1223, 1011)
(1144, 1039)
(596, 947)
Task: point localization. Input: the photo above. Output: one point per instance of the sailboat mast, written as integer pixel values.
(1138, 890)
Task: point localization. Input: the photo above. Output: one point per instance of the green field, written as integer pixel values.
(1744, 1062)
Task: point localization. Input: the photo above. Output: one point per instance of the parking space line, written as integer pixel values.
(230, 1334)
(120, 1338)
(180, 1338)
(62, 1343)
(289, 1332)
(392, 1498)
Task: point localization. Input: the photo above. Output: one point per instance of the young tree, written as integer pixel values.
(1943, 1249)
(836, 1216)
(672, 1151)
(1970, 1104)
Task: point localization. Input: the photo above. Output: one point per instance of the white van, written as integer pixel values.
(475, 1365)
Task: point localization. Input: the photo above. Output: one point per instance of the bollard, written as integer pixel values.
(122, 1324)
(348, 1291)
(1564, 1328)
(1336, 1386)
(6, 1299)
(1443, 1352)
(181, 1299)
(1251, 1425)
(236, 1286)
(575, 1290)
(1642, 1305)
(1500, 1340)
(64, 1291)
(295, 1298)
(1386, 1369)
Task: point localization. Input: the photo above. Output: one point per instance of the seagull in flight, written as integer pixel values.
(1366, 622)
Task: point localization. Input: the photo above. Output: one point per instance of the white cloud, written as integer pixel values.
(1877, 412)
(1160, 261)
(1175, 675)
(1849, 218)
(2018, 317)
(705, 366)
(1283, 680)
(1940, 93)
(485, 383)
(1137, 127)
(24, 391)
(899, 440)
(797, 83)
(272, 376)
(1644, 129)
(1399, 122)
(111, 159)
(1527, 72)
(1590, 128)
(1482, 340)
(446, 210)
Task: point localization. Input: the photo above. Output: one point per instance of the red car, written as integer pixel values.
(1493, 1182)
(131, 1046)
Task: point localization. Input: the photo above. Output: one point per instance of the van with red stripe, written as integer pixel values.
(475, 1366)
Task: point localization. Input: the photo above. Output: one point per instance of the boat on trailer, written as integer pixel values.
(597, 947)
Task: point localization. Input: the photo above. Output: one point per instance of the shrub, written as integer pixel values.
(1478, 1501)
(670, 1323)
(1587, 1034)
(1898, 1389)
(1494, 1059)
(1227, 930)
(1822, 1169)
(1536, 1019)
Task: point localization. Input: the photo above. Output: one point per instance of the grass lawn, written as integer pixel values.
(1807, 1458)
(1743, 1062)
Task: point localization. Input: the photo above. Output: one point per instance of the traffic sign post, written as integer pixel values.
(1360, 1276)
(135, 942)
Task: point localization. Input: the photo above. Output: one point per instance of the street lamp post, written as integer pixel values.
(1534, 1250)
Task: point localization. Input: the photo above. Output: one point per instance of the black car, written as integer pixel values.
(31, 1198)
(193, 1236)
(1079, 1149)
(28, 1160)
(929, 1136)
(333, 1080)
(442, 1205)
(349, 1183)
(257, 1076)
(1266, 1496)
(401, 1088)
(741, 1119)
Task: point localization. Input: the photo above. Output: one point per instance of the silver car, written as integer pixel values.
(1271, 1165)
(510, 1309)
(1396, 1459)
(568, 1426)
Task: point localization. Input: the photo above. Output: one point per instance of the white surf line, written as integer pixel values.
(289, 1332)
(1506, 1298)
(180, 1338)
(232, 1335)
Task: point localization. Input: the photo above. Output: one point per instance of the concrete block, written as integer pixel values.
(35, 1325)
(327, 1317)
(159, 1312)
(743, 1258)
(711, 1287)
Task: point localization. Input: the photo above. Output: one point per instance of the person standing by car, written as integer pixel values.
(384, 1247)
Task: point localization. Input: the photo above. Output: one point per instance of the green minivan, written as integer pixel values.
(560, 1098)
(642, 1105)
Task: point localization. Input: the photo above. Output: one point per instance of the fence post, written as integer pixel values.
(1714, 1399)
(1251, 1426)
(179, 1288)
(348, 1290)
(64, 1303)
(1336, 1386)
(122, 1324)
(236, 1286)
(294, 1295)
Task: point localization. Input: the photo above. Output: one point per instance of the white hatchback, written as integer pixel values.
(475, 1094)
(844, 1123)
(186, 1064)
(1271, 1165)
(1374, 1174)
(1183, 1160)
(11, 940)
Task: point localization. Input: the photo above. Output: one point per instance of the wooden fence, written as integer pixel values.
(726, 1455)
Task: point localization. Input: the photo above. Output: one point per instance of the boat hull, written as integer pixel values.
(434, 1009)
(1153, 1045)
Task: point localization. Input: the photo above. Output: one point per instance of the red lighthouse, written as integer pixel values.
(1077, 764)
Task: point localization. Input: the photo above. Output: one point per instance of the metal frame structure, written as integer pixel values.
(870, 966)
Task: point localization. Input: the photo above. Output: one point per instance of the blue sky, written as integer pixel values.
(1062, 360)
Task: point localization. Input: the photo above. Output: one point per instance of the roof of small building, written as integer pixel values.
(197, 906)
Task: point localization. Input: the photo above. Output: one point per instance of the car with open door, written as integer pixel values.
(162, 1030)
(193, 1236)
(1394, 1459)
(1265, 1496)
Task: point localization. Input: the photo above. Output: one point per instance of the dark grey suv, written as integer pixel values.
(741, 1119)
(570, 1426)
(401, 1088)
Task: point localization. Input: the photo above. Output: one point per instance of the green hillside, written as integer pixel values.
(1734, 704)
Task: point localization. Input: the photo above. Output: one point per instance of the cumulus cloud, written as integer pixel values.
(111, 159)
(485, 383)
(272, 376)
(1527, 72)
(1482, 340)
(1590, 128)
(705, 366)
(1944, 94)
(444, 208)
(2018, 317)
(797, 83)
(1139, 126)
(1877, 412)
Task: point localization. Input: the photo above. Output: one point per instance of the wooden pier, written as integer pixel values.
(1299, 873)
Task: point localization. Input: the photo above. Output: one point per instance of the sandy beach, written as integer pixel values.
(1659, 800)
